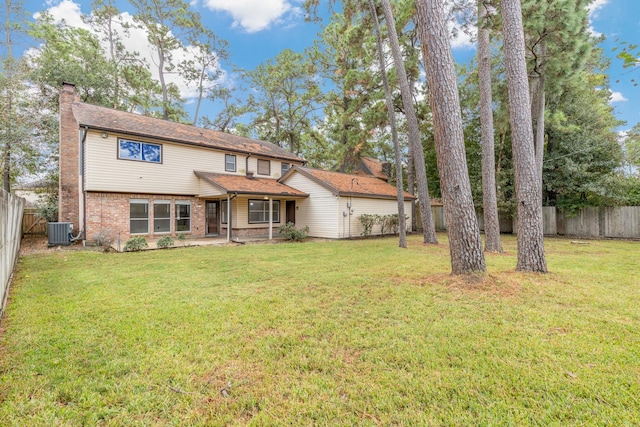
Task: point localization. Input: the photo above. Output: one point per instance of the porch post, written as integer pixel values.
(228, 218)
(270, 218)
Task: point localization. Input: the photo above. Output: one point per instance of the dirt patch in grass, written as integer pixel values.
(502, 285)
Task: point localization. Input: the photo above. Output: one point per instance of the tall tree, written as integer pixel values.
(428, 226)
(170, 24)
(287, 97)
(392, 124)
(530, 228)
(489, 198)
(203, 67)
(465, 244)
(557, 43)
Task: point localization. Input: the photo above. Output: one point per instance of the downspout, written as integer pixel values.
(82, 194)
(246, 166)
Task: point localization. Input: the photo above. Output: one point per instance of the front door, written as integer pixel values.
(212, 218)
(291, 211)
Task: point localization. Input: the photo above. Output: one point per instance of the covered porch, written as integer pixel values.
(239, 207)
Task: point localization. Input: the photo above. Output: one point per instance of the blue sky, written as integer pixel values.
(258, 30)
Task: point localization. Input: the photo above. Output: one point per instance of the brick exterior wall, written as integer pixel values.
(108, 215)
(68, 190)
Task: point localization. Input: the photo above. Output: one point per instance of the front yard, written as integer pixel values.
(322, 333)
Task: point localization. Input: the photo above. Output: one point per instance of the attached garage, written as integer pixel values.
(337, 200)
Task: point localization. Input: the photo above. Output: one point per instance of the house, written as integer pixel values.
(124, 174)
(336, 200)
(33, 192)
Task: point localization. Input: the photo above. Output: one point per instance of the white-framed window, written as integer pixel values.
(183, 216)
(139, 151)
(284, 167)
(259, 211)
(264, 167)
(161, 216)
(230, 162)
(224, 207)
(139, 216)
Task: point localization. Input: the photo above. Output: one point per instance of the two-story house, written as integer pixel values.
(124, 174)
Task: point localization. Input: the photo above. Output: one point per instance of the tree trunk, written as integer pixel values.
(6, 155)
(530, 229)
(465, 244)
(490, 202)
(428, 227)
(402, 228)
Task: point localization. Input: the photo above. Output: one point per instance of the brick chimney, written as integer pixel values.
(69, 159)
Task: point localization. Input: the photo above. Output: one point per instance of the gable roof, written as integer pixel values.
(244, 185)
(342, 184)
(108, 119)
(371, 166)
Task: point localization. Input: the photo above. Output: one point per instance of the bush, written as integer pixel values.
(368, 221)
(182, 238)
(135, 244)
(165, 242)
(104, 239)
(290, 232)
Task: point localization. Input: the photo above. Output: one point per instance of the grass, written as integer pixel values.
(323, 333)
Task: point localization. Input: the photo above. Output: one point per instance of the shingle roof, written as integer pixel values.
(243, 185)
(373, 167)
(349, 185)
(108, 119)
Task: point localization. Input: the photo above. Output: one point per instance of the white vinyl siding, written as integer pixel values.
(319, 211)
(323, 212)
(371, 206)
(105, 172)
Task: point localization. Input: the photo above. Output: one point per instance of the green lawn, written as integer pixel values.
(323, 333)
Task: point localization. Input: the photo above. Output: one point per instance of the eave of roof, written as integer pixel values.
(110, 120)
(240, 184)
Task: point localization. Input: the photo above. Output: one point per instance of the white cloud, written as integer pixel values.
(136, 41)
(616, 97)
(255, 15)
(593, 9)
(595, 6)
(66, 11)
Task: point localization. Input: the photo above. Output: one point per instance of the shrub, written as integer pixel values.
(368, 221)
(290, 232)
(104, 239)
(165, 242)
(182, 238)
(135, 244)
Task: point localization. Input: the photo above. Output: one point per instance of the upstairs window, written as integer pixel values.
(229, 162)
(140, 151)
(284, 168)
(264, 167)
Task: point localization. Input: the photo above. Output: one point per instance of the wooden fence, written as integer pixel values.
(11, 209)
(620, 223)
(32, 224)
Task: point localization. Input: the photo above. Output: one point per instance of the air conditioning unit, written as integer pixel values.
(60, 233)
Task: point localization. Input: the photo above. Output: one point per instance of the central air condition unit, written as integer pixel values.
(60, 233)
